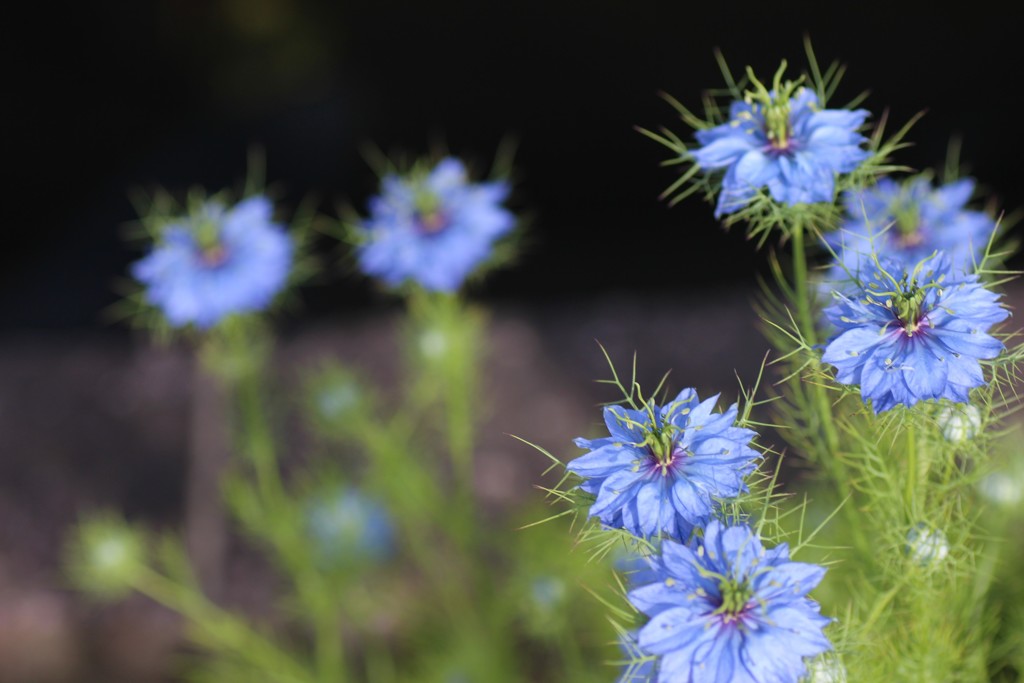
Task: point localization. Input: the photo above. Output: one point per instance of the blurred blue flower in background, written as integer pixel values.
(661, 469)
(348, 529)
(912, 333)
(216, 262)
(908, 222)
(433, 227)
(781, 139)
(726, 610)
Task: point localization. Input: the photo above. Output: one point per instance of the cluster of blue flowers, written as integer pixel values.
(722, 608)
(911, 319)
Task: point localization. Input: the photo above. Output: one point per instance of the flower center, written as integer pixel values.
(213, 256)
(777, 126)
(774, 106)
(665, 451)
(430, 217)
(907, 219)
(906, 306)
(736, 597)
(212, 252)
(431, 223)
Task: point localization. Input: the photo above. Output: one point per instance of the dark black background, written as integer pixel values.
(108, 97)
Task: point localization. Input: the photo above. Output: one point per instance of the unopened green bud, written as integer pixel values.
(959, 423)
(433, 343)
(105, 557)
(826, 669)
(927, 547)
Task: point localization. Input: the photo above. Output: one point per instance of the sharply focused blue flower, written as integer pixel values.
(912, 333)
(217, 262)
(661, 469)
(726, 610)
(782, 140)
(432, 227)
(908, 222)
(348, 529)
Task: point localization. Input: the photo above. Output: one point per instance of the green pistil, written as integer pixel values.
(207, 233)
(661, 446)
(776, 110)
(428, 210)
(907, 307)
(907, 217)
(736, 595)
(776, 117)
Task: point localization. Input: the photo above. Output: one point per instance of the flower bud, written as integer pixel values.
(927, 547)
(105, 557)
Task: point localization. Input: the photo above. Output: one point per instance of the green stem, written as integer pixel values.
(329, 652)
(460, 420)
(448, 377)
(257, 442)
(803, 303)
(911, 484)
(809, 332)
(460, 428)
(221, 631)
(424, 514)
(880, 605)
(830, 454)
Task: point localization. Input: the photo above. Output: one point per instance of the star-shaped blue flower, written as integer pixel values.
(433, 228)
(662, 468)
(912, 333)
(782, 140)
(217, 262)
(908, 222)
(726, 610)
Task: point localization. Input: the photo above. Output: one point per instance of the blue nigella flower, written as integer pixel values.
(661, 469)
(727, 610)
(908, 222)
(348, 529)
(782, 140)
(908, 334)
(217, 262)
(432, 227)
